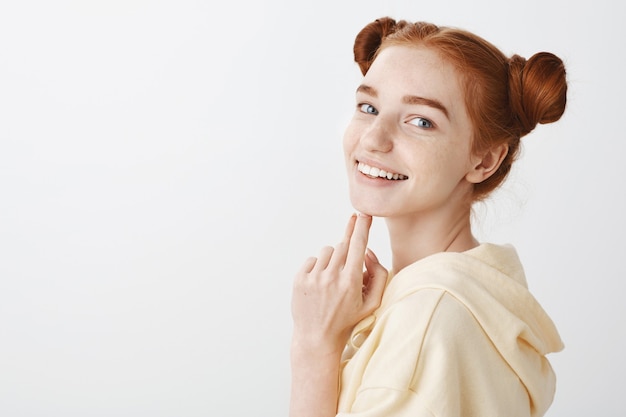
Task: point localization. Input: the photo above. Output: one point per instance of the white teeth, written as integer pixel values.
(377, 172)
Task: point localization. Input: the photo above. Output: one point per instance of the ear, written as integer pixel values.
(486, 164)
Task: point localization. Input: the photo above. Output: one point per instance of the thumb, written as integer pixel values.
(377, 280)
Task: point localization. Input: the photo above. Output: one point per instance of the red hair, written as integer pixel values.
(505, 97)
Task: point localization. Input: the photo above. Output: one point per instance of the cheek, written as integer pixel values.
(457, 165)
(433, 165)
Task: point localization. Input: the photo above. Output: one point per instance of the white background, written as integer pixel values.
(166, 166)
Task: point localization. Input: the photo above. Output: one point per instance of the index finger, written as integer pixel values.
(358, 242)
(349, 228)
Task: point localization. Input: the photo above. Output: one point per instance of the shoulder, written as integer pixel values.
(428, 310)
(425, 315)
(414, 340)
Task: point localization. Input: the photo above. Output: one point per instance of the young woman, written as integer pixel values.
(451, 329)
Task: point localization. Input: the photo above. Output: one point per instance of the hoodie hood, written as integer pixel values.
(485, 278)
(490, 281)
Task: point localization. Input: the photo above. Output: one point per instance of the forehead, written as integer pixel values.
(407, 70)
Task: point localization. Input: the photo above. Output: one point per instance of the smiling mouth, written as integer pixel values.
(374, 172)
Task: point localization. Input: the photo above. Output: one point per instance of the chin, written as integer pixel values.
(370, 208)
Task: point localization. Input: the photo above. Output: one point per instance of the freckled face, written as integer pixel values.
(407, 147)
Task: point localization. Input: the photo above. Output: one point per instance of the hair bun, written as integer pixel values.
(369, 39)
(538, 90)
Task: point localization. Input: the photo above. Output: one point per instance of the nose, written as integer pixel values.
(378, 137)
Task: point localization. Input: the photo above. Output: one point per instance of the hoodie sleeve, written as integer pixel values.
(381, 360)
(428, 356)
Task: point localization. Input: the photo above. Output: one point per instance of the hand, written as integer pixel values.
(333, 292)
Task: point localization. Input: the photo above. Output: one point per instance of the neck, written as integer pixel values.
(413, 238)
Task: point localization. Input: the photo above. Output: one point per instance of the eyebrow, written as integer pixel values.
(408, 99)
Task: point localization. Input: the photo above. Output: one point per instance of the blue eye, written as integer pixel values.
(368, 108)
(421, 122)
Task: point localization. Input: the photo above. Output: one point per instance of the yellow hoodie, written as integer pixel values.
(457, 334)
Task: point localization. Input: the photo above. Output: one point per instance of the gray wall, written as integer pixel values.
(165, 167)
